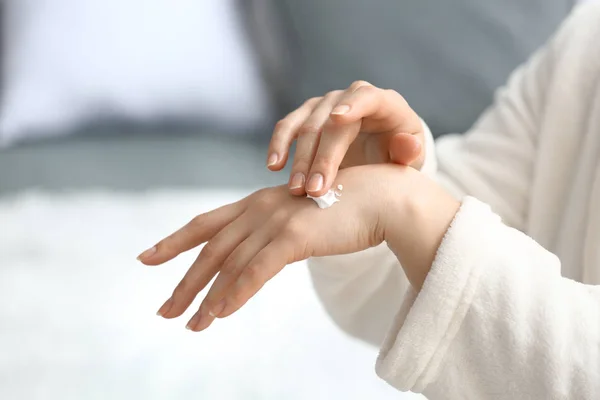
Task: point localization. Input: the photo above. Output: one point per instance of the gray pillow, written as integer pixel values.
(446, 57)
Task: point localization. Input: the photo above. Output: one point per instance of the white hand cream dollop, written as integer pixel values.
(325, 201)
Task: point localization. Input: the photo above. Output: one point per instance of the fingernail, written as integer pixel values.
(218, 309)
(199, 322)
(165, 307)
(297, 181)
(194, 321)
(340, 110)
(147, 254)
(272, 160)
(315, 183)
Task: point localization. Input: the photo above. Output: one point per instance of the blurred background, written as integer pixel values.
(122, 119)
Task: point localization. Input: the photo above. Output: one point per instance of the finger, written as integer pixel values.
(199, 322)
(267, 263)
(285, 132)
(335, 141)
(407, 149)
(339, 134)
(308, 140)
(362, 100)
(232, 268)
(197, 231)
(374, 106)
(206, 266)
(351, 105)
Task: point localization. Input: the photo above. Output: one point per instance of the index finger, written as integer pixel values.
(335, 141)
(194, 233)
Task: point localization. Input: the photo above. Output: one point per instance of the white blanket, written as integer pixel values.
(77, 313)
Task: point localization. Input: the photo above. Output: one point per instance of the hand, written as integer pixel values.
(250, 241)
(357, 126)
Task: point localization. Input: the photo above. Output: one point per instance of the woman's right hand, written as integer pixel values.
(357, 126)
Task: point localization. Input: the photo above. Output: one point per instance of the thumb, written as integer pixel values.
(406, 149)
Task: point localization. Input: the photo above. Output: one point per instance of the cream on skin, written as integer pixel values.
(426, 213)
(328, 199)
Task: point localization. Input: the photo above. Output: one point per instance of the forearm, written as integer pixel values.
(416, 224)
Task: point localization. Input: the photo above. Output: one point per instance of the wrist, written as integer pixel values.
(417, 219)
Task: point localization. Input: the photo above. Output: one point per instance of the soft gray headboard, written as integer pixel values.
(446, 57)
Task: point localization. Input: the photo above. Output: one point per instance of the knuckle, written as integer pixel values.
(266, 201)
(197, 222)
(235, 297)
(324, 164)
(260, 193)
(309, 130)
(395, 95)
(229, 268)
(368, 90)
(312, 101)
(294, 227)
(281, 125)
(333, 94)
(210, 250)
(359, 83)
(251, 273)
(301, 164)
(280, 217)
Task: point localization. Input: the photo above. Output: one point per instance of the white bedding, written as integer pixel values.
(77, 313)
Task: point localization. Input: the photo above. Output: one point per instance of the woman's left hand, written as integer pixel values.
(250, 241)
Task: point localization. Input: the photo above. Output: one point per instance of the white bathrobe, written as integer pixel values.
(509, 309)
